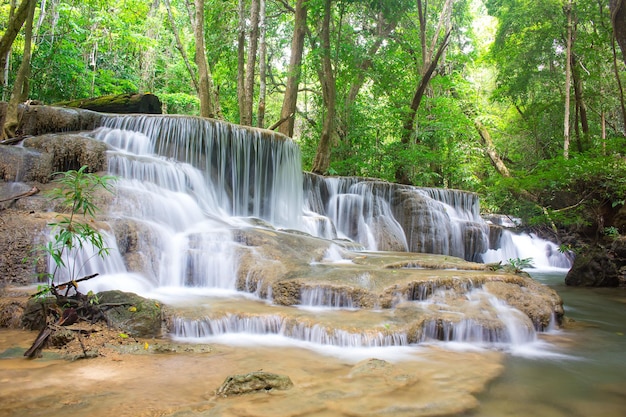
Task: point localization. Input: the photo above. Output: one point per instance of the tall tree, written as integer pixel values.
(290, 97)
(262, 64)
(568, 77)
(21, 83)
(321, 163)
(16, 21)
(249, 77)
(618, 20)
(431, 54)
(205, 83)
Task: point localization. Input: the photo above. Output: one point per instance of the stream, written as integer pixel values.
(588, 380)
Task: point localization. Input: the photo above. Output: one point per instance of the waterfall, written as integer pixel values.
(186, 189)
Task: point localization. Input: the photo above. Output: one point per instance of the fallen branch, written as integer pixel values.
(62, 286)
(28, 193)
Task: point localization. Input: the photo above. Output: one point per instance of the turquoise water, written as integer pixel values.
(585, 373)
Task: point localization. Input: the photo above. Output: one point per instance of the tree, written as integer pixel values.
(202, 80)
(326, 74)
(290, 97)
(618, 21)
(431, 54)
(21, 83)
(16, 21)
(568, 74)
(205, 84)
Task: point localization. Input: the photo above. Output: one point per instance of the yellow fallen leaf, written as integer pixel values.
(123, 335)
(146, 346)
(132, 309)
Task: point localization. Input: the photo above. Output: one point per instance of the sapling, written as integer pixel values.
(70, 232)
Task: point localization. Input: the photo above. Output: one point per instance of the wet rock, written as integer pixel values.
(70, 151)
(253, 382)
(135, 315)
(599, 266)
(541, 304)
(61, 337)
(39, 120)
(36, 312)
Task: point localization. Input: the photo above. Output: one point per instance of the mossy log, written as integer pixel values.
(119, 103)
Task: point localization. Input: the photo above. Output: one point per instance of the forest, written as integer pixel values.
(519, 101)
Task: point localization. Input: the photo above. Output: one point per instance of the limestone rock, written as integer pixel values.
(253, 382)
(71, 151)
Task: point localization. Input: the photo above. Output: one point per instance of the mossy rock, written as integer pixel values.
(135, 315)
(253, 382)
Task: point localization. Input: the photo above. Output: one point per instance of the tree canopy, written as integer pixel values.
(468, 94)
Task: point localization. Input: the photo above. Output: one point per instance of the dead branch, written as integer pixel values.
(28, 193)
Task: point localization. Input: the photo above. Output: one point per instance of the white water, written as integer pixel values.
(185, 184)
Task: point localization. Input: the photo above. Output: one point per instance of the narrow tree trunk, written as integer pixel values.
(262, 65)
(241, 58)
(384, 29)
(204, 77)
(181, 49)
(568, 76)
(20, 87)
(619, 87)
(253, 42)
(321, 162)
(401, 173)
(4, 76)
(13, 28)
(148, 55)
(485, 139)
(295, 62)
(580, 99)
(618, 21)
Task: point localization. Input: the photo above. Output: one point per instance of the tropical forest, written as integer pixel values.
(313, 208)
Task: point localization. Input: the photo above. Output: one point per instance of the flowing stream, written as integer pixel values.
(585, 377)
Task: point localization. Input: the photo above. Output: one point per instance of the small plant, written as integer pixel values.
(517, 265)
(611, 232)
(72, 232)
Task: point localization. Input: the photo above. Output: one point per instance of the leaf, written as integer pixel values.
(123, 335)
(132, 309)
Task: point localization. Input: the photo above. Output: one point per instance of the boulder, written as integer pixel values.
(599, 266)
(135, 315)
(253, 382)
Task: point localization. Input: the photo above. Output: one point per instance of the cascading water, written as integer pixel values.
(187, 185)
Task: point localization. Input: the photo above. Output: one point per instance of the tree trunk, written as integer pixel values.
(295, 62)
(581, 106)
(619, 88)
(262, 65)
(13, 28)
(321, 162)
(205, 92)
(384, 29)
(401, 173)
(179, 46)
(118, 103)
(618, 20)
(253, 42)
(568, 76)
(241, 58)
(148, 55)
(20, 87)
(485, 140)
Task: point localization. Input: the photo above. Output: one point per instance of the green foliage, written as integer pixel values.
(517, 265)
(76, 192)
(180, 103)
